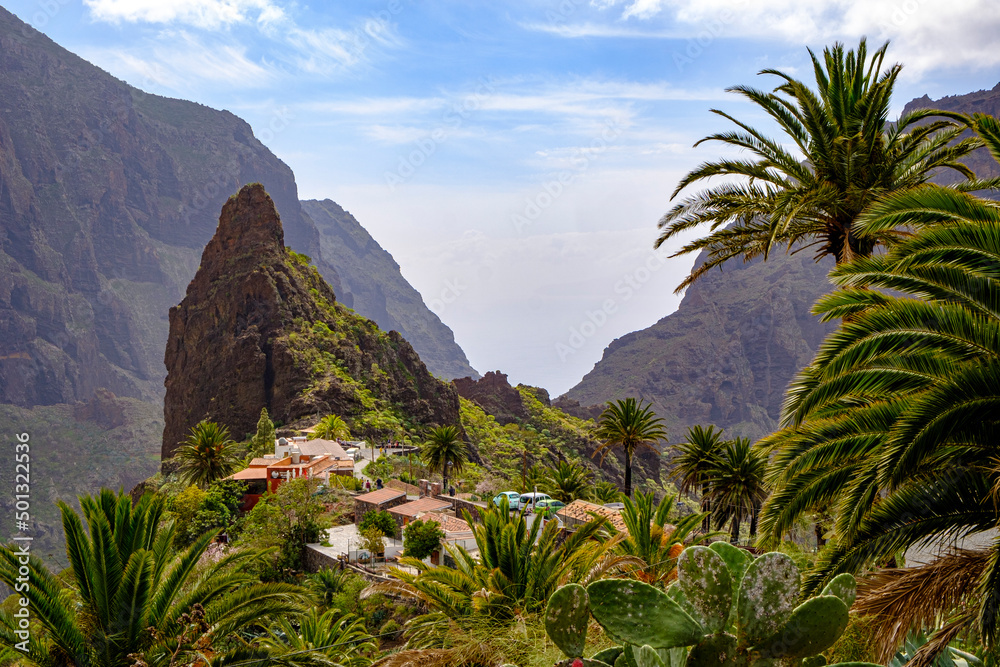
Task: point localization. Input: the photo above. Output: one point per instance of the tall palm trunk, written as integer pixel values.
(444, 477)
(753, 520)
(628, 474)
(734, 536)
(820, 540)
(706, 506)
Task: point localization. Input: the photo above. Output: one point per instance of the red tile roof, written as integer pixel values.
(453, 527)
(418, 506)
(250, 473)
(380, 496)
(580, 511)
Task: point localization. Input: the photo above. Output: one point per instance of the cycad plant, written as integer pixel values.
(628, 425)
(605, 492)
(696, 455)
(838, 154)
(127, 595)
(651, 538)
(568, 482)
(329, 639)
(206, 455)
(894, 423)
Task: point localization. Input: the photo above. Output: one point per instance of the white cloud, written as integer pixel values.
(206, 14)
(925, 35)
(578, 30)
(180, 58)
(318, 50)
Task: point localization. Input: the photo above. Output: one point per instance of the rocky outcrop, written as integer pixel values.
(573, 407)
(494, 394)
(728, 353)
(107, 196)
(259, 327)
(381, 293)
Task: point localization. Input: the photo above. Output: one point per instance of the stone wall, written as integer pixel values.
(458, 505)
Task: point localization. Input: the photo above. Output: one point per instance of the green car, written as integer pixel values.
(548, 507)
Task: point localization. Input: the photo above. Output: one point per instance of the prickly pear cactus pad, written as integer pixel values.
(608, 655)
(845, 587)
(812, 628)
(566, 618)
(720, 649)
(768, 594)
(707, 584)
(737, 559)
(647, 657)
(636, 613)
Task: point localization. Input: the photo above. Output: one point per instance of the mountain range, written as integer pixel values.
(108, 195)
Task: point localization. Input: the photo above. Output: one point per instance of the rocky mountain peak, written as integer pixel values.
(259, 327)
(249, 228)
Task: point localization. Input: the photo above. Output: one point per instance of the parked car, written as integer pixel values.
(513, 498)
(547, 508)
(527, 501)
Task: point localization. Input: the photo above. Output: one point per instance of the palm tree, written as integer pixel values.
(331, 639)
(737, 485)
(568, 481)
(127, 593)
(895, 421)
(332, 427)
(208, 454)
(327, 583)
(606, 492)
(630, 426)
(652, 539)
(697, 454)
(444, 449)
(846, 155)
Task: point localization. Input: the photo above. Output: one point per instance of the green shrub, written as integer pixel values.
(422, 538)
(381, 520)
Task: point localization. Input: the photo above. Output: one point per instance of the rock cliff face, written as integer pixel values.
(107, 195)
(726, 356)
(260, 328)
(982, 101)
(381, 293)
(494, 394)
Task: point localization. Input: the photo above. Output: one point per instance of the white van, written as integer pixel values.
(527, 500)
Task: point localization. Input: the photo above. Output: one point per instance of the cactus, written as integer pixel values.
(728, 608)
(638, 614)
(566, 619)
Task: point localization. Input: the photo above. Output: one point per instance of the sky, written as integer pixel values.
(514, 157)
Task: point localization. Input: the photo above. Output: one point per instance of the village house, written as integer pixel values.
(382, 499)
(292, 459)
(407, 512)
